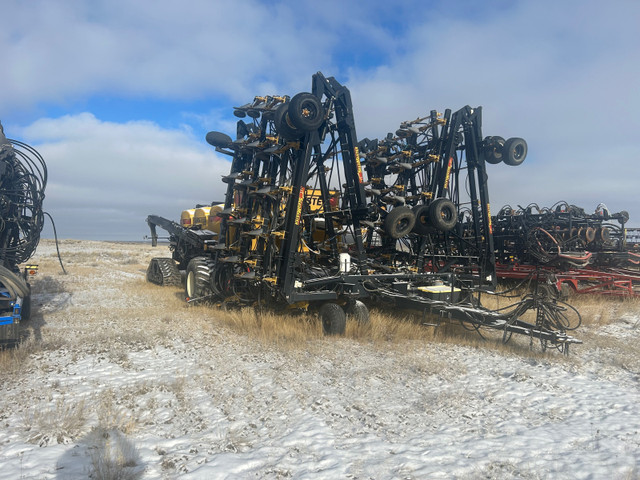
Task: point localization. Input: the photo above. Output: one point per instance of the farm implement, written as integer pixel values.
(23, 177)
(314, 219)
(568, 250)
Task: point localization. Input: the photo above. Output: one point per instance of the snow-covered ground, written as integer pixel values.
(118, 379)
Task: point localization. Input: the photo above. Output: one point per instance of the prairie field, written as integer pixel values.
(117, 378)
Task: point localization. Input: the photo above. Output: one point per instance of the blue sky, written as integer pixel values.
(119, 95)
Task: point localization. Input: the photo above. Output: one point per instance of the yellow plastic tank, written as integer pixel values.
(201, 217)
(186, 218)
(213, 221)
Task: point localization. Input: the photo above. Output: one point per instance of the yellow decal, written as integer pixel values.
(299, 209)
(489, 219)
(315, 201)
(359, 167)
(446, 180)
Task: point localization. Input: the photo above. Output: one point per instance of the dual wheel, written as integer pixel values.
(198, 278)
(201, 275)
(440, 215)
(334, 317)
(208, 279)
(302, 114)
(512, 151)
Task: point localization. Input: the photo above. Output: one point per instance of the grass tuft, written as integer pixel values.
(61, 423)
(113, 456)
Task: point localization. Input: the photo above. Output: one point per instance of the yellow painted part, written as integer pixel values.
(31, 269)
(186, 218)
(213, 220)
(314, 199)
(201, 217)
(301, 305)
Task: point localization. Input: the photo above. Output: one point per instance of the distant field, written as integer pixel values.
(118, 378)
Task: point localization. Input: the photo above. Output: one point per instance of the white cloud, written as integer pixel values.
(562, 75)
(167, 49)
(101, 171)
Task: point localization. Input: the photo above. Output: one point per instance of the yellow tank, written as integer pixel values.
(201, 217)
(186, 218)
(213, 220)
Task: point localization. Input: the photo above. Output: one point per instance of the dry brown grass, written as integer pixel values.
(112, 416)
(136, 314)
(62, 422)
(603, 310)
(385, 329)
(13, 360)
(113, 456)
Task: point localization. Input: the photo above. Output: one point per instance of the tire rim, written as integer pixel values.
(191, 284)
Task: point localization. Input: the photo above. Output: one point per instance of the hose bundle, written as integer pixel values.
(23, 178)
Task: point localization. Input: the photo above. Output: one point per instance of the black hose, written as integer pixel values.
(55, 235)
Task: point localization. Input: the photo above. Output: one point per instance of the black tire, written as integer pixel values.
(306, 112)
(222, 280)
(422, 225)
(589, 234)
(358, 311)
(25, 311)
(624, 217)
(164, 272)
(604, 234)
(219, 139)
(198, 279)
(14, 282)
(493, 148)
(443, 214)
(399, 222)
(334, 320)
(282, 124)
(514, 151)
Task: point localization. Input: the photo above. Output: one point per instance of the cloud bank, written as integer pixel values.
(562, 75)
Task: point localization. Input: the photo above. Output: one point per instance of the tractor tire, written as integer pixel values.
(334, 320)
(493, 148)
(14, 282)
(514, 151)
(399, 222)
(163, 272)
(198, 282)
(283, 126)
(306, 112)
(422, 225)
(358, 311)
(443, 214)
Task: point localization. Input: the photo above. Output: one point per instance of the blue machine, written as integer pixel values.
(23, 177)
